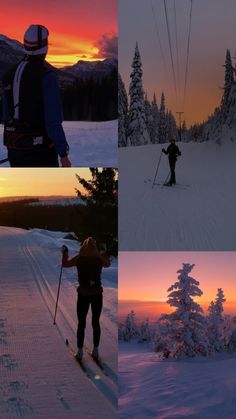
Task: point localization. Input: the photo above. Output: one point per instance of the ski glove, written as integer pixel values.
(64, 249)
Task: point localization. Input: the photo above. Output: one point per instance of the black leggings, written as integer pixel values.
(172, 164)
(83, 304)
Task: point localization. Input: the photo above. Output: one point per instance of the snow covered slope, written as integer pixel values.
(196, 388)
(38, 376)
(92, 144)
(196, 217)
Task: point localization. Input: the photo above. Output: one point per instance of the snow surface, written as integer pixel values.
(38, 376)
(92, 144)
(195, 389)
(198, 217)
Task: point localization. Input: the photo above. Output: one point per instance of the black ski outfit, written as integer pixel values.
(173, 152)
(89, 264)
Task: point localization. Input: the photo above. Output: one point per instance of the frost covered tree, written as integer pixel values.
(123, 113)
(137, 127)
(155, 121)
(183, 332)
(130, 328)
(229, 80)
(162, 132)
(145, 331)
(171, 126)
(215, 322)
(148, 116)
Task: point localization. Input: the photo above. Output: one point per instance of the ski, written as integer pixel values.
(79, 362)
(99, 363)
(173, 186)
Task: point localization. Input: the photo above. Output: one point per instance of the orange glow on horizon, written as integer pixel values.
(75, 28)
(153, 310)
(144, 277)
(40, 182)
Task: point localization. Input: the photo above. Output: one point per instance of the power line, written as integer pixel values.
(177, 46)
(159, 42)
(188, 49)
(170, 47)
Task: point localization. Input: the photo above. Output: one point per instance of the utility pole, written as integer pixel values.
(180, 124)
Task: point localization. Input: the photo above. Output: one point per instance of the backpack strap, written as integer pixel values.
(16, 87)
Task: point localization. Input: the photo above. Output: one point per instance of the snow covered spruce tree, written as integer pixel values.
(130, 328)
(229, 80)
(215, 322)
(162, 132)
(155, 121)
(123, 113)
(145, 331)
(171, 127)
(183, 332)
(148, 116)
(137, 127)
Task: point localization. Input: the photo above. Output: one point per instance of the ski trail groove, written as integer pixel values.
(101, 385)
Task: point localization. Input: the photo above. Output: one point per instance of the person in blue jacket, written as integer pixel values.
(32, 113)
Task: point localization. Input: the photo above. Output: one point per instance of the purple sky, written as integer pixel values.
(146, 276)
(213, 31)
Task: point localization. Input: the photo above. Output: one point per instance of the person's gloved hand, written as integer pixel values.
(64, 249)
(163, 150)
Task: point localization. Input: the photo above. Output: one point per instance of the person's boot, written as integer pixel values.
(79, 354)
(95, 353)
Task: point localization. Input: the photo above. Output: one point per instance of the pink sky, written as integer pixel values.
(146, 276)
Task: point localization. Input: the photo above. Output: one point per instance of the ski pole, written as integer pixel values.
(58, 291)
(158, 164)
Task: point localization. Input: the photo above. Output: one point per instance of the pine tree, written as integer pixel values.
(183, 332)
(130, 327)
(145, 331)
(215, 322)
(155, 121)
(148, 116)
(229, 79)
(162, 134)
(137, 128)
(123, 113)
(99, 215)
(171, 126)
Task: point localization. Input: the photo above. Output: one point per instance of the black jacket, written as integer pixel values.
(172, 151)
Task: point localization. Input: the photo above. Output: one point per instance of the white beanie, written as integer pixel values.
(36, 40)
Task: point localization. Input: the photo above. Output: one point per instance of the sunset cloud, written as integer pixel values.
(107, 46)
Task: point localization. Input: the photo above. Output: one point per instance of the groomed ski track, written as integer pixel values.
(201, 218)
(39, 378)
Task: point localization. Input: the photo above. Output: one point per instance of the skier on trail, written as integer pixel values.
(89, 263)
(32, 113)
(173, 152)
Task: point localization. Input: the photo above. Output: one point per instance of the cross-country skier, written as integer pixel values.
(32, 113)
(89, 263)
(173, 152)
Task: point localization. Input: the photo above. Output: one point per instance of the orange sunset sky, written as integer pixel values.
(213, 30)
(144, 278)
(78, 29)
(40, 182)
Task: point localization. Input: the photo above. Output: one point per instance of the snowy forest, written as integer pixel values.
(143, 122)
(186, 331)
